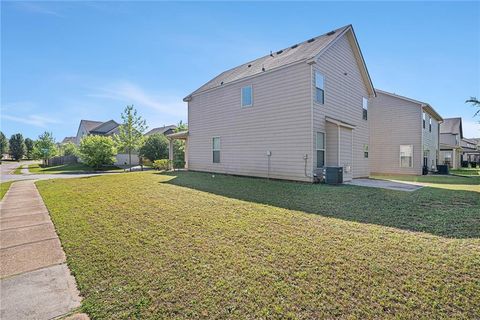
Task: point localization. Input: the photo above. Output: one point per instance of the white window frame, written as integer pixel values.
(324, 148)
(400, 155)
(251, 96)
(318, 73)
(219, 149)
(364, 108)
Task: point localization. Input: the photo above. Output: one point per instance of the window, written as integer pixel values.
(319, 89)
(365, 108)
(406, 156)
(320, 149)
(424, 120)
(430, 124)
(365, 150)
(216, 149)
(247, 96)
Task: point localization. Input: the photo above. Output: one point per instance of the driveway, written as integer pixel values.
(385, 184)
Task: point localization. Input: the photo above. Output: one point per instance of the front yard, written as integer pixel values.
(189, 245)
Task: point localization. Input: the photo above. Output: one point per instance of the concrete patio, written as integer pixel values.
(385, 184)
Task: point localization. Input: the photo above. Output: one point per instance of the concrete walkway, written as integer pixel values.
(385, 184)
(35, 282)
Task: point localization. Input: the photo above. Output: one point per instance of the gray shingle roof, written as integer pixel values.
(68, 139)
(452, 125)
(161, 129)
(105, 127)
(298, 52)
(90, 125)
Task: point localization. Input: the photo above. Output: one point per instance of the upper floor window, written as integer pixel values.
(424, 116)
(365, 108)
(216, 149)
(365, 150)
(319, 88)
(320, 149)
(430, 124)
(247, 96)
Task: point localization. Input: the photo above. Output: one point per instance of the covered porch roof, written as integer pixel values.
(183, 135)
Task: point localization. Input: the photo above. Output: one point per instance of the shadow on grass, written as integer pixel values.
(73, 168)
(446, 213)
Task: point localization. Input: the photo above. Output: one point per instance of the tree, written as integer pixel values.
(3, 144)
(96, 151)
(130, 136)
(155, 147)
(69, 149)
(29, 144)
(45, 147)
(17, 146)
(476, 103)
(179, 147)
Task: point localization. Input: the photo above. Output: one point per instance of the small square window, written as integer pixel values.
(247, 96)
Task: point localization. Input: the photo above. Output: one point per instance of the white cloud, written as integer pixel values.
(34, 120)
(130, 93)
(471, 128)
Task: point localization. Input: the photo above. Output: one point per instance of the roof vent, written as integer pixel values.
(311, 40)
(330, 33)
(263, 68)
(294, 46)
(279, 52)
(249, 65)
(221, 83)
(271, 54)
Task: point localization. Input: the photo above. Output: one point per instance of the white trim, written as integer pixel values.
(251, 98)
(339, 123)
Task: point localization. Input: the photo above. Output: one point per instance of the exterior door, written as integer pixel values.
(346, 152)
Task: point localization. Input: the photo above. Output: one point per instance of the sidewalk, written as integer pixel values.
(35, 282)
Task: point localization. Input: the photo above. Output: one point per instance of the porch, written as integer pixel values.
(182, 135)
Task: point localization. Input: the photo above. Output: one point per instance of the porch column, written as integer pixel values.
(186, 154)
(170, 152)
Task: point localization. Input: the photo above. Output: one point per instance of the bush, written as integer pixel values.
(155, 147)
(464, 164)
(163, 164)
(473, 164)
(178, 164)
(96, 151)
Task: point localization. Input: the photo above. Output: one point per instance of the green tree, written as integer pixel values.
(96, 151)
(179, 147)
(45, 147)
(69, 149)
(476, 103)
(130, 135)
(155, 147)
(3, 144)
(17, 146)
(29, 144)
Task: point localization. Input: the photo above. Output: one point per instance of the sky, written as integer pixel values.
(66, 61)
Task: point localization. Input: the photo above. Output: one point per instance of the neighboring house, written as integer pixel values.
(404, 135)
(470, 150)
(166, 130)
(286, 115)
(107, 128)
(68, 140)
(451, 133)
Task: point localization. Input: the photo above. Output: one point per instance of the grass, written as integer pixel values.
(466, 171)
(186, 245)
(450, 182)
(18, 170)
(4, 186)
(68, 168)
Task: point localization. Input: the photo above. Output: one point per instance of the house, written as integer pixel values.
(68, 140)
(107, 128)
(404, 135)
(285, 115)
(451, 134)
(166, 130)
(470, 150)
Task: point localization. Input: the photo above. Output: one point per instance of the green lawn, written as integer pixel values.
(451, 182)
(466, 171)
(67, 168)
(4, 186)
(18, 170)
(187, 245)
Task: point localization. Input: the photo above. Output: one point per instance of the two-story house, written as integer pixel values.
(404, 135)
(451, 135)
(285, 115)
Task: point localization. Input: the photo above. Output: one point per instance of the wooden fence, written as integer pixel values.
(56, 161)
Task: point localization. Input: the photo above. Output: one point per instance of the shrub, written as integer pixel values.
(178, 164)
(155, 147)
(69, 149)
(163, 164)
(96, 151)
(464, 164)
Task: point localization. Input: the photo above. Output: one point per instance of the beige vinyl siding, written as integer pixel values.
(279, 121)
(346, 152)
(448, 139)
(343, 101)
(430, 140)
(331, 152)
(394, 122)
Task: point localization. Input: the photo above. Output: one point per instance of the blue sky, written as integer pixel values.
(66, 61)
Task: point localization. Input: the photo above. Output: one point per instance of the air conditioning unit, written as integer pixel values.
(333, 175)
